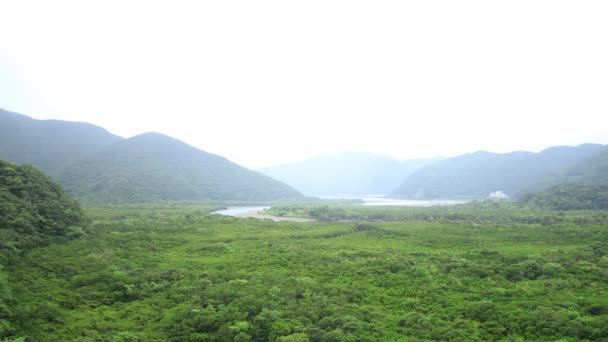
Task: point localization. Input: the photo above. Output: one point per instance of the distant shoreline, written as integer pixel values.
(256, 214)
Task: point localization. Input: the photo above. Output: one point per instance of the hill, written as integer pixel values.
(48, 144)
(475, 175)
(345, 174)
(153, 166)
(572, 196)
(34, 208)
(98, 166)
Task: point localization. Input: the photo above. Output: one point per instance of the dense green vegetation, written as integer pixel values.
(569, 197)
(187, 276)
(34, 210)
(492, 270)
(153, 166)
(5, 300)
(486, 212)
(475, 175)
(346, 174)
(151, 210)
(48, 144)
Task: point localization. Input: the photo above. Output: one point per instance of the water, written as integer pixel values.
(408, 203)
(380, 200)
(236, 211)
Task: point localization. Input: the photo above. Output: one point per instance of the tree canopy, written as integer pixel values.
(34, 209)
(573, 196)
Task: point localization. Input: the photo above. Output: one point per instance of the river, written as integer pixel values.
(408, 203)
(237, 211)
(251, 211)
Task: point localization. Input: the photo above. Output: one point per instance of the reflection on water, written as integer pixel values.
(236, 211)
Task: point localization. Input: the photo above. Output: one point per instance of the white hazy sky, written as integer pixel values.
(268, 82)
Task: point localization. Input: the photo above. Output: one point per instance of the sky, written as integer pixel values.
(272, 82)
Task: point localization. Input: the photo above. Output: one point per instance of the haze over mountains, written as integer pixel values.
(348, 174)
(49, 144)
(475, 175)
(97, 166)
(469, 176)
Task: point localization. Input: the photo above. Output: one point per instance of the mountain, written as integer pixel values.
(153, 166)
(33, 209)
(345, 174)
(48, 144)
(475, 175)
(98, 166)
(593, 169)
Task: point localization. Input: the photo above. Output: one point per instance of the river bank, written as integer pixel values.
(256, 214)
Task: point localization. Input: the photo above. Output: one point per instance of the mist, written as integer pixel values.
(271, 83)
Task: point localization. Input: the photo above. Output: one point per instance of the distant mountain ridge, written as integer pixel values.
(593, 169)
(346, 174)
(98, 166)
(475, 175)
(49, 144)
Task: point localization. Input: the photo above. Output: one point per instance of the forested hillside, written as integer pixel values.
(48, 144)
(475, 175)
(346, 174)
(97, 166)
(477, 272)
(572, 196)
(153, 166)
(34, 211)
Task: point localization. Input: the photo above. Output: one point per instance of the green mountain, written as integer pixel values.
(475, 175)
(33, 208)
(98, 166)
(34, 211)
(48, 144)
(153, 166)
(571, 196)
(345, 174)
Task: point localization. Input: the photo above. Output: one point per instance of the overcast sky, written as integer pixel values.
(268, 82)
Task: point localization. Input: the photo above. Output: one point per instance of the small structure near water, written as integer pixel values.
(498, 195)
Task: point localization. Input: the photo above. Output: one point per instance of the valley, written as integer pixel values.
(303, 171)
(151, 239)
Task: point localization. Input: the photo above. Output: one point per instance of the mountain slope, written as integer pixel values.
(33, 208)
(345, 174)
(48, 144)
(153, 166)
(571, 196)
(475, 175)
(34, 211)
(593, 169)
